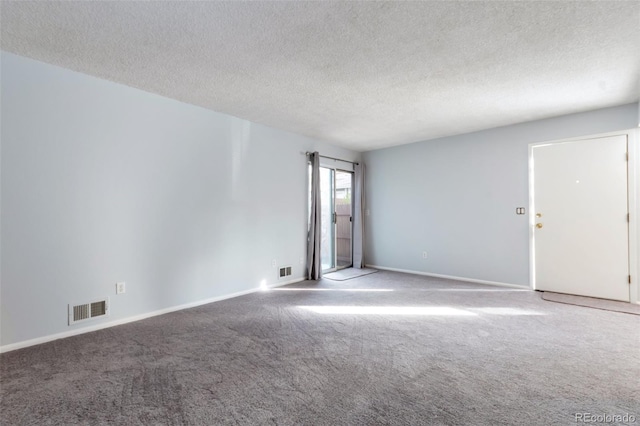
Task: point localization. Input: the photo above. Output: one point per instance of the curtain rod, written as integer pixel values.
(333, 158)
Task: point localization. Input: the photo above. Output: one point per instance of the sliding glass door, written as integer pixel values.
(336, 211)
(327, 243)
(343, 218)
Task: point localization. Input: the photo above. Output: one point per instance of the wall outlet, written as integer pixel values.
(424, 254)
(121, 287)
(273, 263)
(302, 260)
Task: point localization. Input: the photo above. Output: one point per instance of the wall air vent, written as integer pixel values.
(285, 272)
(87, 311)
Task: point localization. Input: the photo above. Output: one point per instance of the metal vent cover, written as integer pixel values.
(285, 271)
(87, 311)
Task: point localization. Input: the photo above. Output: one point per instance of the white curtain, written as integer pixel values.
(358, 217)
(314, 268)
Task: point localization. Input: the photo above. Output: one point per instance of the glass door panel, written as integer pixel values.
(328, 240)
(343, 206)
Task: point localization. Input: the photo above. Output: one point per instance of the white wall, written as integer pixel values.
(455, 198)
(104, 183)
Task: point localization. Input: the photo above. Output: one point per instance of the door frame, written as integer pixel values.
(346, 167)
(633, 196)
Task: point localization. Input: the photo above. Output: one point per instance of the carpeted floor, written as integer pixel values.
(386, 348)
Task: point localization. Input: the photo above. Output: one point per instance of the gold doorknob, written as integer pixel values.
(538, 225)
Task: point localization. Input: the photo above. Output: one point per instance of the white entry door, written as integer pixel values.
(580, 234)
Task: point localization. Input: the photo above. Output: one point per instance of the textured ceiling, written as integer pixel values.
(362, 75)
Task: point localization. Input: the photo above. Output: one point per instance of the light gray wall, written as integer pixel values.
(455, 198)
(104, 183)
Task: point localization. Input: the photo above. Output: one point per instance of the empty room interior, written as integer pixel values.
(319, 213)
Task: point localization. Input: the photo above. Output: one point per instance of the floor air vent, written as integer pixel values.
(87, 311)
(285, 272)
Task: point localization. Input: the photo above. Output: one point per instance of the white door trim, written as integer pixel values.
(633, 188)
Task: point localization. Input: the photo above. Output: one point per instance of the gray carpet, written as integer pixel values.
(349, 273)
(592, 302)
(385, 349)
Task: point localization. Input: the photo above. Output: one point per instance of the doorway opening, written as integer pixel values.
(336, 195)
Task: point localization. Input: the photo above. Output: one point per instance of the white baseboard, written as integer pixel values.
(451, 277)
(77, 331)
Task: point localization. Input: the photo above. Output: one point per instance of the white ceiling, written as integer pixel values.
(362, 75)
